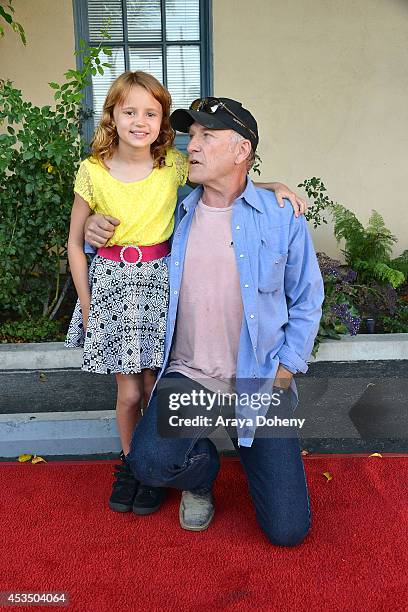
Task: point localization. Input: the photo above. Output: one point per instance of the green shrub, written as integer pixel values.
(365, 285)
(39, 156)
(366, 250)
(339, 313)
(396, 324)
(7, 16)
(31, 330)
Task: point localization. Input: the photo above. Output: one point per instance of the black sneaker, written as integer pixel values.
(148, 499)
(124, 488)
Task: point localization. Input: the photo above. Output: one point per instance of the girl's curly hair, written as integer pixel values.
(106, 138)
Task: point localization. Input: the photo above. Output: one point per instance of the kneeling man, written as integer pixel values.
(245, 304)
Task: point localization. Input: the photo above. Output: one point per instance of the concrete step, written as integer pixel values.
(57, 390)
(51, 355)
(94, 434)
(59, 433)
(354, 399)
(347, 407)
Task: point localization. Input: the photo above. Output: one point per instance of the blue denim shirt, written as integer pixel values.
(281, 288)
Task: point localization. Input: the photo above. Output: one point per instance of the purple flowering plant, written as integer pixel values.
(339, 313)
(370, 285)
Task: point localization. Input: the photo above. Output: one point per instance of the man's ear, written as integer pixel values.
(243, 152)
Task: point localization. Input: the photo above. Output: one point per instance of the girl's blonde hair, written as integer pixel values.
(106, 138)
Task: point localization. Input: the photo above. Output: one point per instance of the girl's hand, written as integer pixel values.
(298, 203)
(282, 191)
(85, 315)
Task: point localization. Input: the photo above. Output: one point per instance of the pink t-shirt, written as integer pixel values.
(209, 315)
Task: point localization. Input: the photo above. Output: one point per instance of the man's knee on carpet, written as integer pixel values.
(173, 463)
(149, 464)
(286, 535)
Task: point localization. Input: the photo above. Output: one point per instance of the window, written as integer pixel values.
(168, 38)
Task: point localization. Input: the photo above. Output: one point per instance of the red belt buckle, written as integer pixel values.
(122, 251)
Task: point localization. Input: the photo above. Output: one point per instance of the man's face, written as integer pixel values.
(212, 154)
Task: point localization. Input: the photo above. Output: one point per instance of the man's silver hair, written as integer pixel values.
(235, 137)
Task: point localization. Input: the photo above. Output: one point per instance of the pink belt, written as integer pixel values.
(135, 254)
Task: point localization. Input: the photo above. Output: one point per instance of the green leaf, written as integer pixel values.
(6, 16)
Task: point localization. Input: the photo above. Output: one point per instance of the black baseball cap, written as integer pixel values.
(217, 114)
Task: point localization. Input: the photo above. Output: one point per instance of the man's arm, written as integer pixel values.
(304, 292)
(99, 229)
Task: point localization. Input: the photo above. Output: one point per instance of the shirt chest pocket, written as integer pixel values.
(272, 265)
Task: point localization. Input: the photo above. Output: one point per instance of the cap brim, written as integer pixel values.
(181, 120)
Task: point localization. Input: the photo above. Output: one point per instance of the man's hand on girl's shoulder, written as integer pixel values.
(99, 229)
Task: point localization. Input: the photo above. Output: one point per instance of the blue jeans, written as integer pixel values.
(273, 467)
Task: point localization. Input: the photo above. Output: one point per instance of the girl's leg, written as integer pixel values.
(149, 378)
(148, 499)
(125, 486)
(128, 404)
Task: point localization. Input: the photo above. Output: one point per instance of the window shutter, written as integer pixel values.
(183, 74)
(144, 21)
(101, 83)
(99, 12)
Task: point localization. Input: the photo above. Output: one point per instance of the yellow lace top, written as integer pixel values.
(145, 208)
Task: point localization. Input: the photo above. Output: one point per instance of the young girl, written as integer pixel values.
(120, 318)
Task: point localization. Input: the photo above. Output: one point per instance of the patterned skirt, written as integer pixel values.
(127, 317)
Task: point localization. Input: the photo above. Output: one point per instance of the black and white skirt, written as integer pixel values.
(127, 317)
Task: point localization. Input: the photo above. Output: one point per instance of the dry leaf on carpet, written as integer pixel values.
(38, 460)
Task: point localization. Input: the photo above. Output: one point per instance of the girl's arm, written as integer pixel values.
(76, 256)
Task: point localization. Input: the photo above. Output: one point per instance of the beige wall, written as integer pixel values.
(328, 83)
(326, 79)
(49, 26)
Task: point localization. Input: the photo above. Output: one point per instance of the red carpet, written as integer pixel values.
(57, 534)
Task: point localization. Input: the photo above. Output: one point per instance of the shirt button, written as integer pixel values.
(238, 227)
(246, 285)
(252, 316)
(176, 263)
(277, 261)
(241, 255)
(176, 292)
